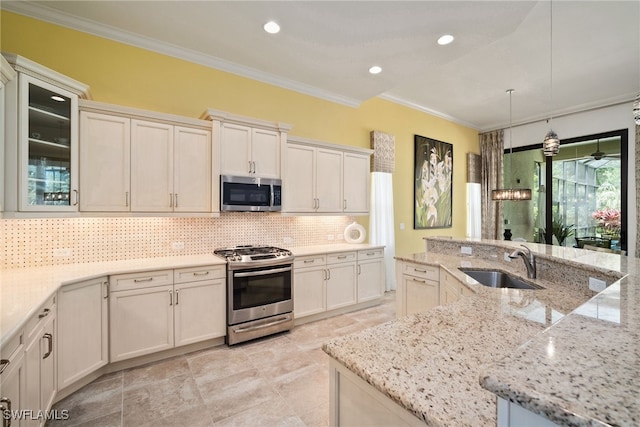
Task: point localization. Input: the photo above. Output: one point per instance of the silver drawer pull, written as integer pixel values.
(419, 271)
(148, 279)
(309, 261)
(266, 325)
(419, 281)
(3, 364)
(342, 257)
(45, 313)
(201, 273)
(370, 253)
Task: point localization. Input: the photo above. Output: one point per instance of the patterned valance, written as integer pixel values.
(383, 158)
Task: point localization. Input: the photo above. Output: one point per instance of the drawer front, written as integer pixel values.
(341, 257)
(47, 309)
(422, 271)
(370, 254)
(121, 282)
(309, 261)
(196, 274)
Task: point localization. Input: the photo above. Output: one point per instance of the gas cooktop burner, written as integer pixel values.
(257, 255)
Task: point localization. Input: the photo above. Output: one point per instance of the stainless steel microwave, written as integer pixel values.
(250, 194)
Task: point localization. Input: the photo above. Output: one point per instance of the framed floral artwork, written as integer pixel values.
(433, 183)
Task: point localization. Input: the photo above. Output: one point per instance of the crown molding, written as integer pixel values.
(46, 14)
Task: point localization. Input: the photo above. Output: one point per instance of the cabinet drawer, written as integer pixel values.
(370, 254)
(423, 271)
(341, 257)
(121, 282)
(196, 274)
(309, 261)
(45, 310)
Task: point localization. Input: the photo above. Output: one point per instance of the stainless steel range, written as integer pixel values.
(259, 291)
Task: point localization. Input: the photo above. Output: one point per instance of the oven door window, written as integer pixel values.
(260, 289)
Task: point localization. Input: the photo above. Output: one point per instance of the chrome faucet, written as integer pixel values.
(529, 260)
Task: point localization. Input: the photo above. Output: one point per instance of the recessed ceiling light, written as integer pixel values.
(446, 39)
(272, 27)
(375, 70)
(57, 98)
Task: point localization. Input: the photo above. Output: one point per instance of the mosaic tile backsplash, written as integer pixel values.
(55, 241)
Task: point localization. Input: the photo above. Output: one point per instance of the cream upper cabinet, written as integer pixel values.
(320, 177)
(151, 167)
(41, 132)
(356, 178)
(247, 151)
(139, 165)
(246, 146)
(191, 170)
(105, 161)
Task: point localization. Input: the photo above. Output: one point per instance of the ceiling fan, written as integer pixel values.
(599, 155)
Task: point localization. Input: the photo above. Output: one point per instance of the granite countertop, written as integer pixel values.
(445, 365)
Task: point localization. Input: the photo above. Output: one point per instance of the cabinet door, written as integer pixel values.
(48, 158)
(329, 180)
(309, 291)
(13, 387)
(265, 153)
(82, 330)
(235, 150)
(151, 167)
(370, 279)
(356, 183)
(40, 382)
(300, 179)
(141, 322)
(450, 288)
(105, 149)
(341, 285)
(199, 311)
(192, 170)
(420, 294)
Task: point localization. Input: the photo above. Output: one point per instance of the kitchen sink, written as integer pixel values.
(498, 279)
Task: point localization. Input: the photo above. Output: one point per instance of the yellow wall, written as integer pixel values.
(125, 75)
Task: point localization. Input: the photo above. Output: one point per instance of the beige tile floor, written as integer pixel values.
(282, 380)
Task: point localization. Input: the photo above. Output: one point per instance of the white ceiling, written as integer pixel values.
(325, 49)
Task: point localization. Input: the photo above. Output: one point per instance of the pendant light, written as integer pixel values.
(511, 193)
(551, 143)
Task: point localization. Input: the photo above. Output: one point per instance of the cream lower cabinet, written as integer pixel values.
(341, 280)
(309, 291)
(39, 363)
(83, 330)
(451, 289)
(148, 313)
(12, 386)
(324, 282)
(371, 274)
(418, 287)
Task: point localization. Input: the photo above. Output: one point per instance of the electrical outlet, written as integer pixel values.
(177, 246)
(597, 285)
(62, 252)
(402, 226)
(466, 250)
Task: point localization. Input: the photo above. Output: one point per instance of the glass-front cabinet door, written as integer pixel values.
(48, 139)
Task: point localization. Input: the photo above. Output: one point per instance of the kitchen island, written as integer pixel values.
(435, 365)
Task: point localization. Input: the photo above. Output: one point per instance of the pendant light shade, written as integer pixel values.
(551, 144)
(511, 193)
(636, 110)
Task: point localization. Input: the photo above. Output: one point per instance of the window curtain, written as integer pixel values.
(637, 188)
(492, 154)
(474, 204)
(381, 220)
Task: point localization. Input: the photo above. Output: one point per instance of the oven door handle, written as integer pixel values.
(266, 325)
(262, 272)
